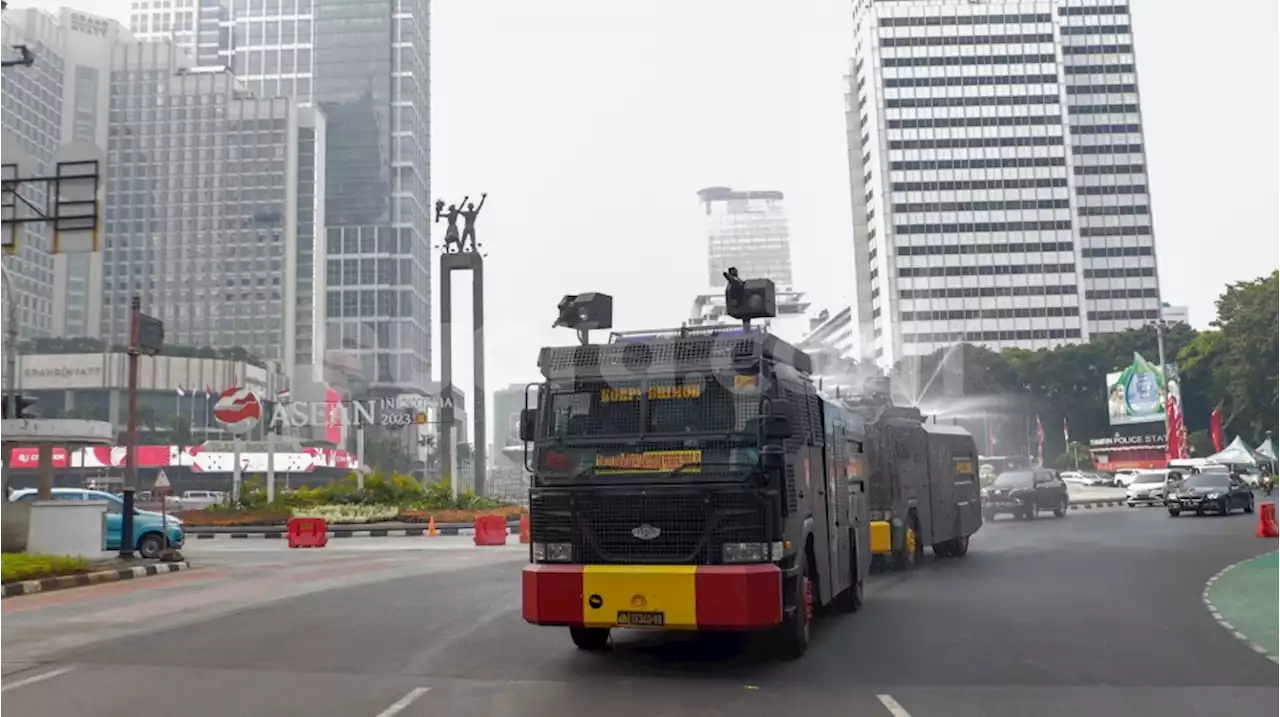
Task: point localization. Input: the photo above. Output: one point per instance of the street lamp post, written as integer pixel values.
(10, 360)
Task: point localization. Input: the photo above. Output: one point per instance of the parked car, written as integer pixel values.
(1024, 494)
(1210, 491)
(1085, 478)
(1149, 487)
(147, 525)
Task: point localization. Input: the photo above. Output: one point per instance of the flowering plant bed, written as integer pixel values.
(234, 517)
(337, 515)
(16, 567)
(454, 515)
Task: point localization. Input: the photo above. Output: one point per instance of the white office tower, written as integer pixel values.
(747, 230)
(1000, 194)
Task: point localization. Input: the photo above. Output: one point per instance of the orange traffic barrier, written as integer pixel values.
(491, 530)
(1267, 522)
(524, 528)
(431, 527)
(308, 533)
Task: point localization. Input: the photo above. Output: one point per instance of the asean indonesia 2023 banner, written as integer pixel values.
(1137, 393)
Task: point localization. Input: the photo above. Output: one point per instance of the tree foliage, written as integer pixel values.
(1235, 363)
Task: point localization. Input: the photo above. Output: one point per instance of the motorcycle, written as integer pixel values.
(1268, 485)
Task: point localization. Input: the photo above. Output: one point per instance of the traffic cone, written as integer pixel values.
(431, 527)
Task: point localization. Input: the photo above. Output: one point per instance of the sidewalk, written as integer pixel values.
(1246, 597)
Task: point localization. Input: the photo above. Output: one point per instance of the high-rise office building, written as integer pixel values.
(61, 98)
(199, 28)
(335, 55)
(203, 206)
(998, 175)
(747, 230)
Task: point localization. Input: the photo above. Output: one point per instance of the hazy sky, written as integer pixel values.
(592, 125)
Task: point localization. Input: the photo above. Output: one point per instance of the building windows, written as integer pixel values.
(984, 206)
(974, 142)
(1128, 272)
(992, 101)
(990, 336)
(1006, 313)
(996, 163)
(1125, 315)
(988, 270)
(980, 184)
(966, 40)
(1100, 252)
(982, 227)
(975, 292)
(971, 81)
(966, 249)
(963, 60)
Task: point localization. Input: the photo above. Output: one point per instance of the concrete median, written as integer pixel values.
(366, 530)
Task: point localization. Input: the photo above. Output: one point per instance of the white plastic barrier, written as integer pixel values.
(68, 527)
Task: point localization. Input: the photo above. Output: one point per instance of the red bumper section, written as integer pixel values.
(729, 597)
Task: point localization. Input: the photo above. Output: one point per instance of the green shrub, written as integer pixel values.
(16, 567)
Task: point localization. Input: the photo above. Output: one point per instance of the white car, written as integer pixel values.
(1083, 479)
(1148, 488)
(1125, 476)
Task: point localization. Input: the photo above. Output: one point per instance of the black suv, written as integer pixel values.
(1024, 494)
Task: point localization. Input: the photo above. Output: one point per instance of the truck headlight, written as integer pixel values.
(1213, 496)
(553, 552)
(751, 552)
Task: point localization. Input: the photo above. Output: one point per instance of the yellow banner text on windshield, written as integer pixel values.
(650, 462)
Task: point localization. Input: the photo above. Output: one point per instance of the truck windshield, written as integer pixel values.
(650, 428)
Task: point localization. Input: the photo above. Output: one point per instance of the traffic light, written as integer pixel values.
(20, 407)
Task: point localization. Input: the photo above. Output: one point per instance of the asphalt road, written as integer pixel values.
(1099, 613)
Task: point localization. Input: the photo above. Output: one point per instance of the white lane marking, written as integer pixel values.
(35, 678)
(407, 700)
(892, 705)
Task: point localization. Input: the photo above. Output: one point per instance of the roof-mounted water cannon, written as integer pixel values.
(584, 312)
(749, 299)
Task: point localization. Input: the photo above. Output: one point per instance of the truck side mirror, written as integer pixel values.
(528, 424)
(776, 419)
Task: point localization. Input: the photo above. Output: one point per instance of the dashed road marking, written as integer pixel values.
(892, 705)
(35, 678)
(400, 705)
(1217, 615)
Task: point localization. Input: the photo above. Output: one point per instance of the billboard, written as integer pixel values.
(1136, 394)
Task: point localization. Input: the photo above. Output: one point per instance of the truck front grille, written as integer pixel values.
(653, 526)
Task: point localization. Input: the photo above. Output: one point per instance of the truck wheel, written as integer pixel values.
(960, 546)
(591, 639)
(793, 634)
(1061, 510)
(905, 559)
(1032, 511)
(1174, 512)
(943, 549)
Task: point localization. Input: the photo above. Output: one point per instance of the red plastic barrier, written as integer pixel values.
(308, 533)
(1267, 522)
(524, 528)
(491, 530)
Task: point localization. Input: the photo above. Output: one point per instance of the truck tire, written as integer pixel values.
(960, 546)
(591, 639)
(943, 549)
(792, 636)
(1060, 511)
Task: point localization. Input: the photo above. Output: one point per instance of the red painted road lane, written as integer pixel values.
(98, 593)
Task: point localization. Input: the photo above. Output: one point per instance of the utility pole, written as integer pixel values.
(131, 433)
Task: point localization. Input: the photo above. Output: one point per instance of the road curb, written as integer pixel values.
(44, 585)
(1091, 504)
(1222, 622)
